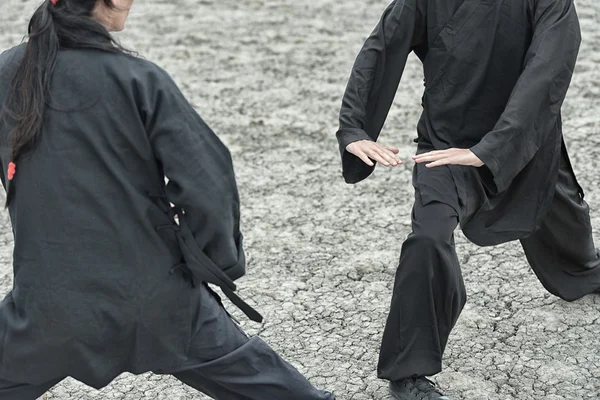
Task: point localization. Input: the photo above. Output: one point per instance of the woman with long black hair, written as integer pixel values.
(105, 280)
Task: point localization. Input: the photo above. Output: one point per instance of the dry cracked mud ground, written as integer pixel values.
(268, 76)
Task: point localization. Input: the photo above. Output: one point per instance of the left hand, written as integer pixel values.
(449, 156)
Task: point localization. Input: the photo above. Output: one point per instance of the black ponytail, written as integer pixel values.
(54, 25)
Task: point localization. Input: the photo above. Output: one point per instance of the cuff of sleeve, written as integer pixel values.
(347, 136)
(354, 169)
(492, 165)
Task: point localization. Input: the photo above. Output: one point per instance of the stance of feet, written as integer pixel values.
(415, 389)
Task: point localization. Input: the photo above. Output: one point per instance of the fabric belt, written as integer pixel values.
(202, 268)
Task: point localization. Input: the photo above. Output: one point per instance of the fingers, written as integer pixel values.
(436, 158)
(363, 156)
(381, 159)
(390, 154)
(452, 156)
(381, 154)
(358, 149)
(444, 161)
(392, 149)
(387, 156)
(431, 156)
(369, 151)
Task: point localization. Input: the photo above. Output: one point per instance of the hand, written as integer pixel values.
(368, 150)
(450, 156)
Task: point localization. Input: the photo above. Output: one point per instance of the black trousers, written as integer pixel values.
(429, 292)
(236, 367)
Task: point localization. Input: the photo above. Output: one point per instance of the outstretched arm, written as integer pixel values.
(374, 80)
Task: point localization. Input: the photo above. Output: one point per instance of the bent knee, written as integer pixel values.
(428, 255)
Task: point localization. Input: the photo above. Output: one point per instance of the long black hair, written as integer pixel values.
(54, 25)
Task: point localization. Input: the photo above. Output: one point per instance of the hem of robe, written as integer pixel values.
(473, 233)
(481, 235)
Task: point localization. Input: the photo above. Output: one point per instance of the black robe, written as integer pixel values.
(496, 74)
(99, 284)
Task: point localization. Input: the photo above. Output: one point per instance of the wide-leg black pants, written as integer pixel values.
(235, 367)
(429, 292)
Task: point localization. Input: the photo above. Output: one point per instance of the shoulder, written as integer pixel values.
(149, 85)
(141, 66)
(11, 58)
(545, 13)
(119, 67)
(143, 77)
(541, 6)
(138, 70)
(130, 73)
(13, 52)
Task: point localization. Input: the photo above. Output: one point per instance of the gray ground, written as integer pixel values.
(268, 76)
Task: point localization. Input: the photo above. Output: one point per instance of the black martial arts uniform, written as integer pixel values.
(496, 74)
(105, 281)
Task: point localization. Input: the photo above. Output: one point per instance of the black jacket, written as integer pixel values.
(102, 272)
(496, 74)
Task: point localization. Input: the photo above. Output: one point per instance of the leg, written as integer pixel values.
(562, 251)
(428, 296)
(233, 367)
(13, 391)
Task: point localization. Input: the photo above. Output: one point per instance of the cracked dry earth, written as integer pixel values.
(268, 76)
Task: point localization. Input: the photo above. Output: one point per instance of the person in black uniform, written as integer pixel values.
(105, 280)
(490, 157)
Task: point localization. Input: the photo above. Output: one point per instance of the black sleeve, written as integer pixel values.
(375, 78)
(199, 169)
(534, 105)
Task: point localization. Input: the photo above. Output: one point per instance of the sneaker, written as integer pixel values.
(415, 389)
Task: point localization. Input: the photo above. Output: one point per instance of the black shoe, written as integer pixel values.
(415, 389)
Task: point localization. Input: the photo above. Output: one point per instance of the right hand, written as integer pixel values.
(368, 151)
